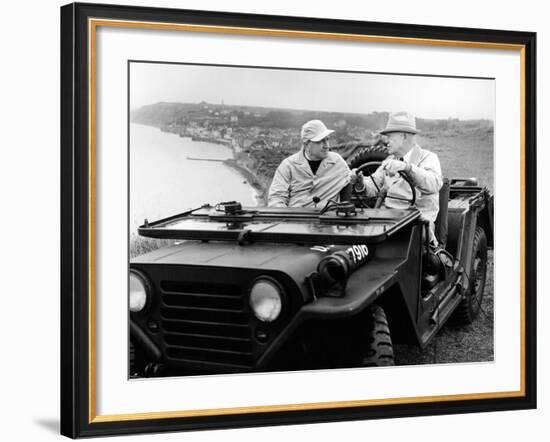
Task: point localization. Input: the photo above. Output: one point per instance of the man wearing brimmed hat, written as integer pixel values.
(405, 155)
(313, 175)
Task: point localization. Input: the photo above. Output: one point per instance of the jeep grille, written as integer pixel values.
(206, 324)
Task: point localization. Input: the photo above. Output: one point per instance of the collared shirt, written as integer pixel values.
(295, 185)
(427, 179)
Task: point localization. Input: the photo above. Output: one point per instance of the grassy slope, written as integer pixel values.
(465, 154)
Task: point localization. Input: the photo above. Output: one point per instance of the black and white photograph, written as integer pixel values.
(294, 219)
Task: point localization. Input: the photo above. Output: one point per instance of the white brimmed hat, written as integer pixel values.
(401, 122)
(315, 131)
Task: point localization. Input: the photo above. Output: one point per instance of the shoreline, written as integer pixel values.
(255, 183)
(258, 184)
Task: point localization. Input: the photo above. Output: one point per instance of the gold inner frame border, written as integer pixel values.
(93, 24)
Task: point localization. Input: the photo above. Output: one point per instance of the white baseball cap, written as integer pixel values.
(315, 131)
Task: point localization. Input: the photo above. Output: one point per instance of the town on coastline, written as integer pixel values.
(261, 137)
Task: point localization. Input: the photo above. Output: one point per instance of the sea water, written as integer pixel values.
(164, 181)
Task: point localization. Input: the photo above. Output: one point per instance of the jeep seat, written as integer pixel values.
(442, 220)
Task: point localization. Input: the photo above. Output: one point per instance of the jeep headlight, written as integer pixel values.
(138, 292)
(266, 299)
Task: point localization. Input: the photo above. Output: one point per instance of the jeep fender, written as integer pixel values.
(363, 288)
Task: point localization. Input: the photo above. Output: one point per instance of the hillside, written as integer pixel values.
(262, 137)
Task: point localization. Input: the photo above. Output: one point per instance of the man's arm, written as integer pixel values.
(279, 191)
(366, 186)
(427, 175)
(346, 192)
(343, 171)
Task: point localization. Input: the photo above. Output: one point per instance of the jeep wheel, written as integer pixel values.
(469, 307)
(366, 154)
(379, 347)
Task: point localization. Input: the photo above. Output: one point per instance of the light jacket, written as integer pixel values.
(295, 185)
(425, 174)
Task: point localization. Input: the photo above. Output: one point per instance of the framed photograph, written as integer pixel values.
(273, 220)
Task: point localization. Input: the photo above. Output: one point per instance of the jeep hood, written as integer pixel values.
(289, 258)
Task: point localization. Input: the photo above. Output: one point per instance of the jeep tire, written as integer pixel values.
(469, 307)
(366, 154)
(378, 350)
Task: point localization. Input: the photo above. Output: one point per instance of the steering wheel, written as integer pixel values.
(381, 194)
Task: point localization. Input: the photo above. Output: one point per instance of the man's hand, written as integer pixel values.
(392, 166)
(357, 180)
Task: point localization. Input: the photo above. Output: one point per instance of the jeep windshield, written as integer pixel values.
(342, 225)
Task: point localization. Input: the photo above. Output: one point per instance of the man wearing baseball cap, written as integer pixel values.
(312, 176)
(405, 155)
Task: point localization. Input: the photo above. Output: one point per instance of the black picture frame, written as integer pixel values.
(77, 405)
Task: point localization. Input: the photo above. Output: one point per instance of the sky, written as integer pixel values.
(424, 96)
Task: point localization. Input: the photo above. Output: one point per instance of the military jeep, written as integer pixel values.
(245, 289)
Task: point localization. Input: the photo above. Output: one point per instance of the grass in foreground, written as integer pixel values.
(140, 245)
